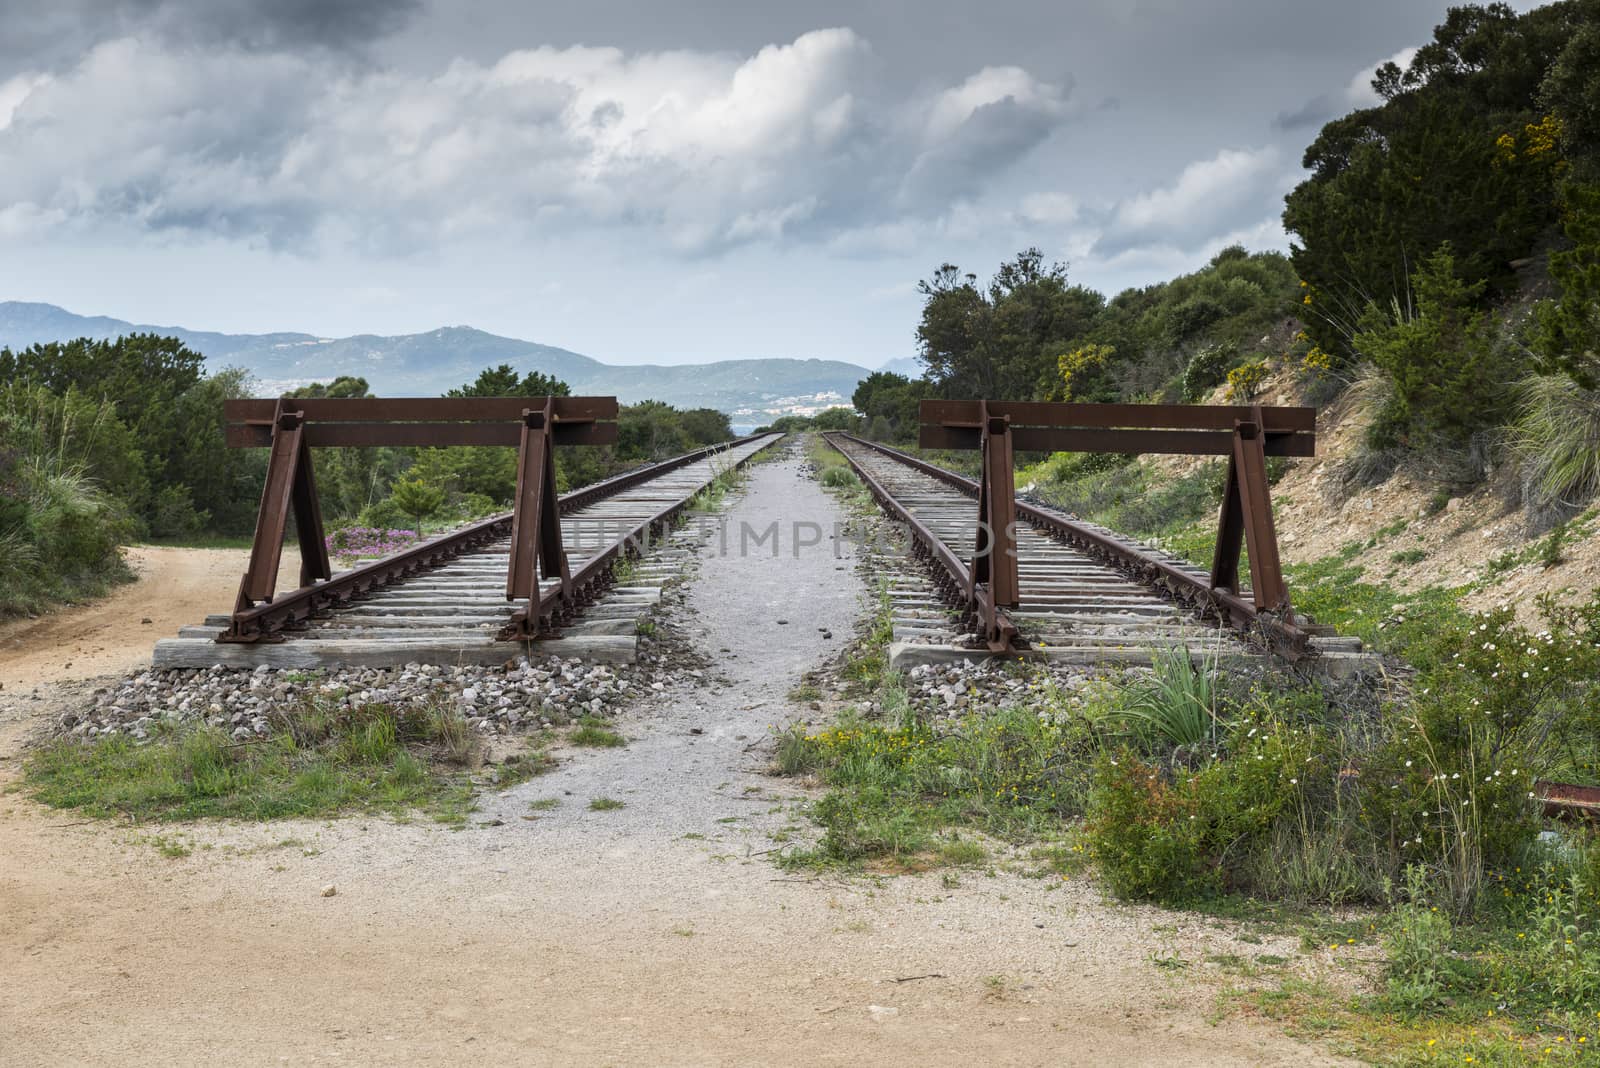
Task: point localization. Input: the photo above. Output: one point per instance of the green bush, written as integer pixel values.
(1145, 835)
(1417, 940)
(1444, 356)
(838, 477)
(1207, 368)
(1181, 835)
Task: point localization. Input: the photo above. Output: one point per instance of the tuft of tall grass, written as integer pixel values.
(1556, 438)
(1177, 705)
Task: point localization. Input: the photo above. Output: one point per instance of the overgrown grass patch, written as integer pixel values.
(319, 759)
(895, 789)
(594, 733)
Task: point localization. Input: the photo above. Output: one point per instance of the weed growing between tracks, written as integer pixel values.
(320, 759)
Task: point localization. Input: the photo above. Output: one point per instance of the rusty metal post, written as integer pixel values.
(314, 563)
(277, 495)
(536, 519)
(1246, 521)
(994, 559)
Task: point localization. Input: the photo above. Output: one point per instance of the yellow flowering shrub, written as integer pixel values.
(1080, 364)
(1246, 381)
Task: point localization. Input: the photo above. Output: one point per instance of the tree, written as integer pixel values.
(1448, 369)
(492, 472)
(503, 381)
(1568, 338)
(417, 499)
(1002, 342)
(1459, 151)
(836, 419)
(890, 404)
(343, 387)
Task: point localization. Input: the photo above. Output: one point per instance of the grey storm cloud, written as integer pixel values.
(391, 127)
(712, 149)
(47, 34)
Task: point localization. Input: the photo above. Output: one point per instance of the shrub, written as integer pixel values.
(173, 514)
(1176, 705)
(1417, 940)
(385, 515)
(838, 477)
(1246, 381)
(1207, 368)
(1452, 786)
(1446, 361)
(357, 542)
(1556, 438)
(1181, 836)
(1145, 835)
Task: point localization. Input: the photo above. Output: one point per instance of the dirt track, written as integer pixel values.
(173, 588)
(654, 934)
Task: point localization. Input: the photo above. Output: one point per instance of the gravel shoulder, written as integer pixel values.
(551, 933)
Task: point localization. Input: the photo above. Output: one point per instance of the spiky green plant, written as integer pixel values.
(1557, 439)
(1177, 705)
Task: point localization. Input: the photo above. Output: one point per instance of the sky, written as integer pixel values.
(642, 180)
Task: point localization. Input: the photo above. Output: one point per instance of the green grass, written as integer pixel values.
(319, 760)
(606, 804)
(593, 733)
(895, 791)
(866, 665)
(520, 767)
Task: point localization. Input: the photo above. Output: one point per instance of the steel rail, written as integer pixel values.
(951, 574)
(1288, 641)
(267, 620)
(563, 600)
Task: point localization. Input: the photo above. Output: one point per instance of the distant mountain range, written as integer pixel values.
(752, 391)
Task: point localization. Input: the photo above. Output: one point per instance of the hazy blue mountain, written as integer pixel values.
(428, 364)
(909, 366)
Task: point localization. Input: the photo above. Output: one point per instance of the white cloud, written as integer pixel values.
(1049, 209)
(1360, 94)
(702, 149)
(992, 85)
(1357, 93)
(1209, 196)
(13, 91)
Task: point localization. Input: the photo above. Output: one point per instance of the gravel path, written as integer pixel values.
(656, 933)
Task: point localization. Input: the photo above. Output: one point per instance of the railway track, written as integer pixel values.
(444, 601)
(1088, 595)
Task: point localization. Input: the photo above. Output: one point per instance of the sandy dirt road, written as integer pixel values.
(658, 933)
(172, 588)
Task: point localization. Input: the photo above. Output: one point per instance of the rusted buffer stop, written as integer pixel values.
(1246, 435)
(291, 427)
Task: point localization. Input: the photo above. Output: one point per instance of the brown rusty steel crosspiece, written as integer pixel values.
(291, 427)
(1245, 521)
(536, 524)
(1246, 435)
(994, 555)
